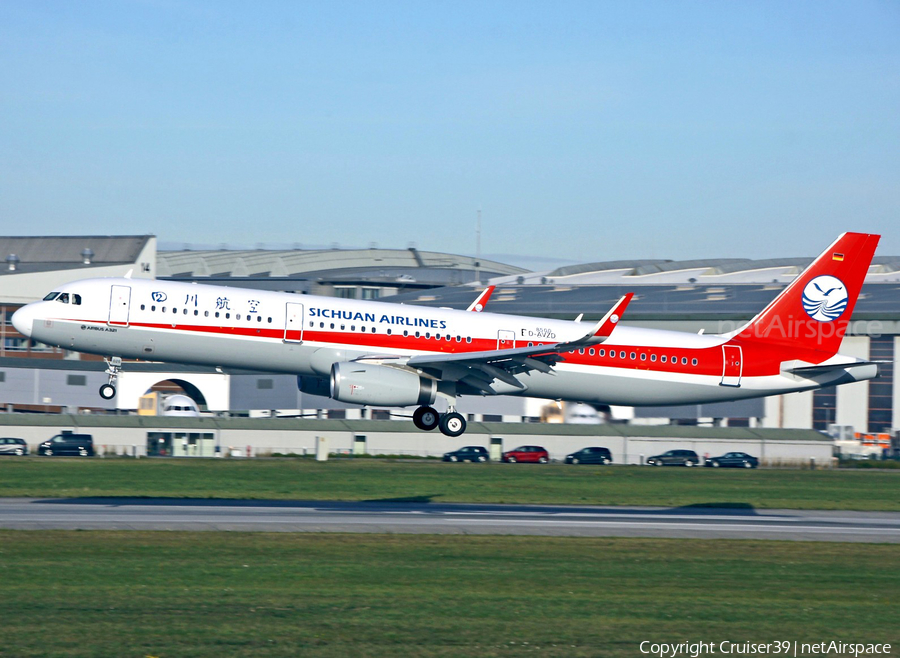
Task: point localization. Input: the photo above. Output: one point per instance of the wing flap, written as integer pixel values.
(480, 369)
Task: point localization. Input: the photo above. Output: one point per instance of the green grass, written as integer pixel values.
(371, 479)
(168, 594)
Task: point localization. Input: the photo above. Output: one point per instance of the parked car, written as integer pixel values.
(11, 446)
(467, 454)
(527, 454)
(68, 444)
(590, 456)
(674, 458)
(735, 459)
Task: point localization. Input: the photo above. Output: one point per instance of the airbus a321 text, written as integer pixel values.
(383, 354)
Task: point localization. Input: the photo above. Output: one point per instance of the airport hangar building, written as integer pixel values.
(713, 295)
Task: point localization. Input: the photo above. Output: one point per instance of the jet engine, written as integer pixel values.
(363, 383)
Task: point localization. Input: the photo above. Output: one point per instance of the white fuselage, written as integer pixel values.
(304, 335)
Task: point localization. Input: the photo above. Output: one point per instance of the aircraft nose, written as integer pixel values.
(23, 319)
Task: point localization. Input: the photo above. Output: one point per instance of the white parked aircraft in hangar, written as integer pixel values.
(378, 353)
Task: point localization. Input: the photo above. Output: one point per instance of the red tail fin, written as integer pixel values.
(813, 312)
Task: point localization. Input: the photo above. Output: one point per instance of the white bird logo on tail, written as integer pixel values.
(825, 298)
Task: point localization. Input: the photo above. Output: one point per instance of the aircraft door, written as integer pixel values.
(733, 365)
(293, 325)
(506, 339)
(119, 305)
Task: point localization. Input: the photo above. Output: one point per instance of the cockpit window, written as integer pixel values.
(63, 298)
(76, 299)
(51, 296)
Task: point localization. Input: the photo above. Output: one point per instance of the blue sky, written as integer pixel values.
(582, 130)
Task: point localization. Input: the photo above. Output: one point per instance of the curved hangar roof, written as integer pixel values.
(409, 266)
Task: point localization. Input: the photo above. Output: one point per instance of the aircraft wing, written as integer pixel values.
(480, 369)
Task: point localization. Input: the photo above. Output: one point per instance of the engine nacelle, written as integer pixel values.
(364, 383)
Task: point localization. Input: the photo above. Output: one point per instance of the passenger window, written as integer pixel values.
(693, 362)
(633, 356)
(468, 339)
(153, 308)
(643, 357)
(602, 352)
(591, 351)
(142, 307)
(684, 360)
(663, 358)
(653, 357)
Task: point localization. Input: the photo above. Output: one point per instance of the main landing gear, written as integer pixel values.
(114, 367)
(450, 423)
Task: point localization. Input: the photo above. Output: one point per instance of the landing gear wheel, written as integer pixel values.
(107, 391)
(452, 424)
(426, 418)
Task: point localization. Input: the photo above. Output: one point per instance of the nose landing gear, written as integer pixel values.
(114, 367)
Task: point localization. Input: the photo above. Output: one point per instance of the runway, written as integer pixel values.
(438, 518)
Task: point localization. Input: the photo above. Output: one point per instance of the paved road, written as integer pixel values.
(414, 517)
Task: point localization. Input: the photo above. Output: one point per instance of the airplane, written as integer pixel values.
(384, 354)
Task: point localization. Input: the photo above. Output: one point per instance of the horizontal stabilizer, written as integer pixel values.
(821, 369)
